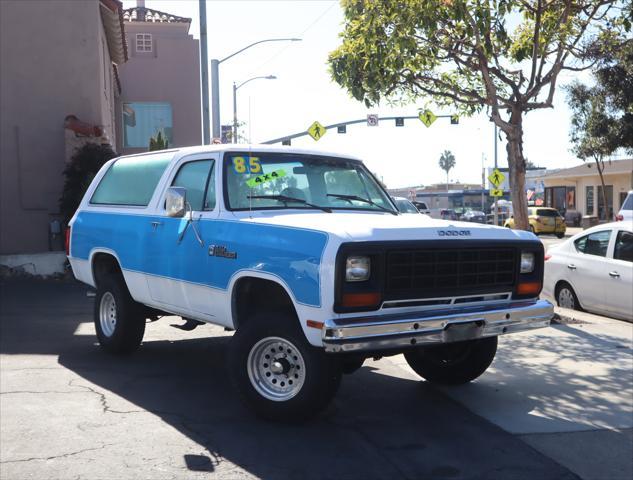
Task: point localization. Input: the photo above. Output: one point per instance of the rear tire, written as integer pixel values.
(278, 374)
(118, 319)
(560, 235)
(453, 363)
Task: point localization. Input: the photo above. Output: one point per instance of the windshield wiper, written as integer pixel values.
(360, 199)
(286, 200)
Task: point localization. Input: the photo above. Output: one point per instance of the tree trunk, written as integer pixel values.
(447, 180)
(600, 167)
(516, 164)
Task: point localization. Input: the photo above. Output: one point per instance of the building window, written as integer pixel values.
(142, 121)
(589, 201)
(143, 42)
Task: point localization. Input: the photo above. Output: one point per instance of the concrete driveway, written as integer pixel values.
(553, 402)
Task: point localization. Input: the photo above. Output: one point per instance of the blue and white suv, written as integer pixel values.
(305, 255)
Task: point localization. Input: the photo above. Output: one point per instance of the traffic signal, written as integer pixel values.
(454, 119)
(286, 142)
(399, 122)
(341, 129)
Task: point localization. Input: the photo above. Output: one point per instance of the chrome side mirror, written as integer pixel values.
(176, 201)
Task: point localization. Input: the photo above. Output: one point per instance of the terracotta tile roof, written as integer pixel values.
(143, 14)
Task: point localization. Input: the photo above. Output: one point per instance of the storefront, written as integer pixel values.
(579, 188)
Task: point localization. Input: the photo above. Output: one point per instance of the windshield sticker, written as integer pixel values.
(247, 166)
(266, 177)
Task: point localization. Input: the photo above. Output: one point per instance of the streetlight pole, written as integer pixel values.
(235, 87)
(215, 76)
(204, 72)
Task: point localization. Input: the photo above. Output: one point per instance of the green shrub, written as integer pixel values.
(82, 168)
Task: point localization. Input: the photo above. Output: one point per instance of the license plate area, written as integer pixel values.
(459, 332)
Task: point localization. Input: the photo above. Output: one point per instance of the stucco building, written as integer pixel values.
(77, 71)
(161, 81)
(579, 188)
(58, 59)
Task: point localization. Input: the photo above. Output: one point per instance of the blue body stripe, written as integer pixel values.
(292, 254)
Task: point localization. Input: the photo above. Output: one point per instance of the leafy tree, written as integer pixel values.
(503, 56)
(602, 114)
(447, 161)
(159, 142)
(78, 174)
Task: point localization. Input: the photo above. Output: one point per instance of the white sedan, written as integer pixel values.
(593, 271)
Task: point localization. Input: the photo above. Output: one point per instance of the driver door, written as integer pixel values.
(178, 244)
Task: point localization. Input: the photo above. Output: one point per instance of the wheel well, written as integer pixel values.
(255, 295)
(559, 285)
(104, 264)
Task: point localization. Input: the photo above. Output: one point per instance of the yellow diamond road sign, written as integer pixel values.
(427, 117)
(495, 192)
(496, 178)
(317, 131)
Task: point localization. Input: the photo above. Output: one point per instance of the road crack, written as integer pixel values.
(64, 455)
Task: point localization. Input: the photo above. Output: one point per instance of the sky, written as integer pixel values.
(304, 92)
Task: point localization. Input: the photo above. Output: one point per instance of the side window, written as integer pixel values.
(194, 176)
(131, 181)
(624, 246)
(594, 244)
(209, 201)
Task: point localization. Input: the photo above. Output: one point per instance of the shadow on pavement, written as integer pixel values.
(379, 426)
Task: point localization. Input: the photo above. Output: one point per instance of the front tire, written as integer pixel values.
(453, 363)
(278, 374)
(118, 319)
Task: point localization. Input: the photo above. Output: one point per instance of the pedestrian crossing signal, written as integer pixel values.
(399, 122)
(286, 142)
(341, 129)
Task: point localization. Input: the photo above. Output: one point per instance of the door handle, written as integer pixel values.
(155, 224)
(571, 266)
(614, 274)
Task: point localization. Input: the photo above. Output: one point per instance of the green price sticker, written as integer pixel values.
(265, 177)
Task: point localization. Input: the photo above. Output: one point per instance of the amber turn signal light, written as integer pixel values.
(356, 300)
(529, 288)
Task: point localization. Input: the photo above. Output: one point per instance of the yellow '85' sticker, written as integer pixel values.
(247, 165)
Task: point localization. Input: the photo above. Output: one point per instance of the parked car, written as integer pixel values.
(448, 214)
(593, 270)
(422, 207)
(543, 220)
(305, 256)
(626, 212)
(404, 205)
(474, 216)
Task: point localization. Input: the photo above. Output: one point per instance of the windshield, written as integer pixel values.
(290, 180)
(405, 206)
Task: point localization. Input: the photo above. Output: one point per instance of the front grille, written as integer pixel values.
(431, 273)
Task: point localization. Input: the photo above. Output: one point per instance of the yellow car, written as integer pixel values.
(543, 220)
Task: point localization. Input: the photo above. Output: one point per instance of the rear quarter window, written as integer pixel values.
(131, 181)
(628, 202)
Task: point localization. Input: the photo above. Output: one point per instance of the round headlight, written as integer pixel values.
(357, 269)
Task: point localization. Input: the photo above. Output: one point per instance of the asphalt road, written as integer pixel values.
(556, 404)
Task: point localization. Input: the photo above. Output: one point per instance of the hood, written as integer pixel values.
(371, 226)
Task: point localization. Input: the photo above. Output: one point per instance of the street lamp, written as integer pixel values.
(215, 87)
(235, 87)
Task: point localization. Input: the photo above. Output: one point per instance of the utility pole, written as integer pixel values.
(204, 72)
(483, 182)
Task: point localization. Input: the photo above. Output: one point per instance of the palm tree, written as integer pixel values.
(447, 161)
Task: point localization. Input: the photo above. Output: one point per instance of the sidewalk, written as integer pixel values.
(565, 390)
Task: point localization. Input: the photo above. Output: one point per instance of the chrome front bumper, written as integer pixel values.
(401, 331)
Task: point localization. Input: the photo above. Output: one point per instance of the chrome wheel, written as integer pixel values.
(566, 298)
(107, 314)
(276, 369)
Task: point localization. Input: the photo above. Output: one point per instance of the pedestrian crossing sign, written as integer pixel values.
(316, 131)
(427, 117)
(496, 178)
(496, 192)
